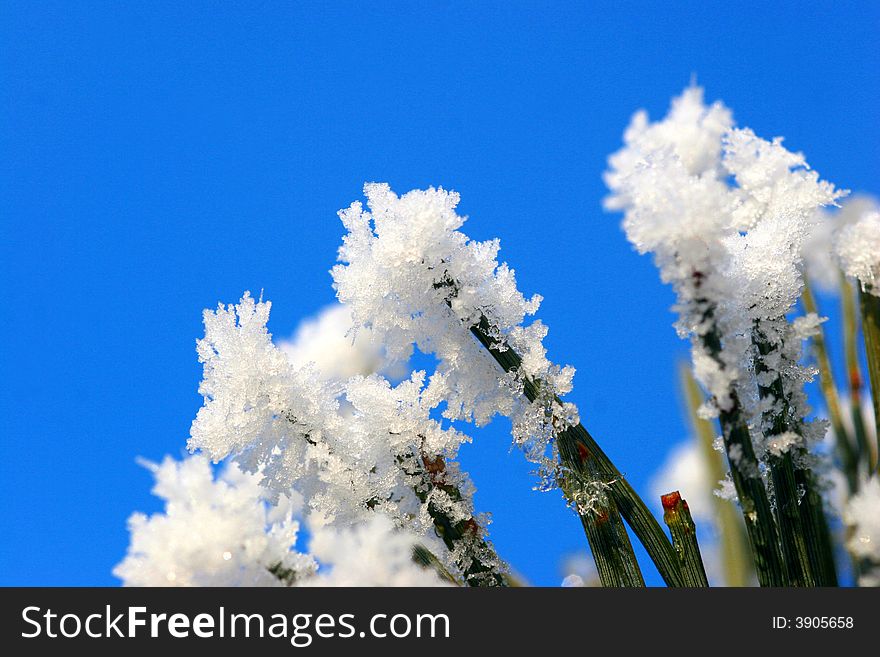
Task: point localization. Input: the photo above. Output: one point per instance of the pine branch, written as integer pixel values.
(870, 307)
(612, 550)
(477, 560)
(736, 560)
(677, 517)
(746, 475)
(792, 532)
(580, 453)
(851, 350)
(583, 460)
(800, 520)
(479, 566)
(819, 539)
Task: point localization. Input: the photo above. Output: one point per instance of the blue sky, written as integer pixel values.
(160, 157)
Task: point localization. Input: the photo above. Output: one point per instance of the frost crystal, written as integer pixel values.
(222, 532)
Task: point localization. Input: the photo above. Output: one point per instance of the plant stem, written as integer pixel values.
(799, 509)
(791, 526)
(677, 517)
(425, 558)
(737, 563)
(579, 452)
(851, 349)
(870, 306)
(819, 541)
(609, 543)
(746, 475)
(843, 442)
(478, 564)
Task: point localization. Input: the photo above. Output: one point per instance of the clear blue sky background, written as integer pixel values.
(160, 157)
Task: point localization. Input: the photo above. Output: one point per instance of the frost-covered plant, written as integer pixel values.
(844, 246)
(352, 448)
(857, 246)
(332, 429)
(726, 216)
(223, 532)
(845, 249)
(356, 446)
(822, 253)
(415, 280)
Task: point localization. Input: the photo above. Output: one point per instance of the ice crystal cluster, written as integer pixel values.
(213, 532)
(726, 216)
(223, 532)
(414, 280)
(353, 447)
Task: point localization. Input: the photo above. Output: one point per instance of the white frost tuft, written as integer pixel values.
(862, 516)
(214, 532)
(858, 247)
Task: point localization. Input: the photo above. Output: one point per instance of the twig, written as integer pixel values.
(612, 550)
(478, 561)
